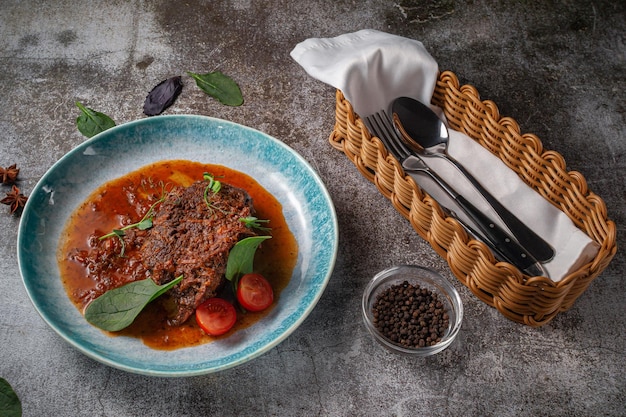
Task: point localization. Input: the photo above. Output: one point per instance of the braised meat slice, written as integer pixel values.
(191, 238)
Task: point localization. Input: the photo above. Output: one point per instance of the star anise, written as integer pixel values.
(9, 175)
(15, 199)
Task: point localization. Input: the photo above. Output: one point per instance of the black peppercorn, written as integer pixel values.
(410, 316)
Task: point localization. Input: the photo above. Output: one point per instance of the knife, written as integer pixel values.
(535, 268)
(498, 239)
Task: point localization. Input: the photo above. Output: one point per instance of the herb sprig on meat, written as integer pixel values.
(254, 223)
(213, 187)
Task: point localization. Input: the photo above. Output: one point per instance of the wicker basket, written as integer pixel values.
(532, 301)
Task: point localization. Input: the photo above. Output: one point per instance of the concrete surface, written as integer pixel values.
(557, 67)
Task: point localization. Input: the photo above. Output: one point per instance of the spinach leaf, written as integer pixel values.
(116, 309)
(219, 86)
(10, 405)
(241, 258)
(92, 122)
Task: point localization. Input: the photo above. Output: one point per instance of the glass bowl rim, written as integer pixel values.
(420, 274)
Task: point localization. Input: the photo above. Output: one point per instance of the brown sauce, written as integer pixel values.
(130, 196)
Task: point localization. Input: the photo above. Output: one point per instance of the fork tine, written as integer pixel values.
(394, 137)
(380, 124)
(375, 128)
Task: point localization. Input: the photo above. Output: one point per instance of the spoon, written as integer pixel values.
(428, 136)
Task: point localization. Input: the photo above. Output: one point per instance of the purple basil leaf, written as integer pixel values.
(162, 96)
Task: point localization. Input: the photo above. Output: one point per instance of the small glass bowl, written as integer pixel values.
(425, 278)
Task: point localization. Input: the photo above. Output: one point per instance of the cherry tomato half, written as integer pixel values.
(254, 293)
(216, 316)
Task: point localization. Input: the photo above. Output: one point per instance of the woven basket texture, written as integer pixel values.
(533, 301)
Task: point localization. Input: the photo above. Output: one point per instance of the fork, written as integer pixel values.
(499, 240)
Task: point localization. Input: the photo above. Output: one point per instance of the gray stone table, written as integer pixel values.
(557, 67)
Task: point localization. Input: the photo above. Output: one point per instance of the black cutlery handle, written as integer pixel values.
(539, 248)
(507, 247)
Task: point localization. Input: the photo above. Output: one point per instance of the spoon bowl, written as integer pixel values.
(426, 131)
(428, 136)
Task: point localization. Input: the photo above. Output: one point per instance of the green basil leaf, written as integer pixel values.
(92, 122)
(116, 309)
(241, 257)
(10, 405)
(219, 86)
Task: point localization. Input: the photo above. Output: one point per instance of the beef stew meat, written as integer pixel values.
(193, 238)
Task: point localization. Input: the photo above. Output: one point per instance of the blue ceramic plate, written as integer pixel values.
(307, 208)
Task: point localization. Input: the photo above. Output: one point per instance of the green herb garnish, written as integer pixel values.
(116, 309)
(219, 86)
(213, 187)
(254, 223)
(92, 122)
(10, 405)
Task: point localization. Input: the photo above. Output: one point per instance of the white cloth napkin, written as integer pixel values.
(372, 68)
